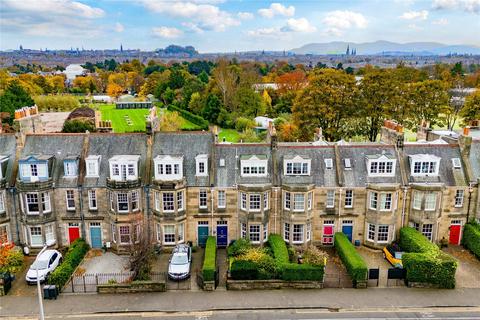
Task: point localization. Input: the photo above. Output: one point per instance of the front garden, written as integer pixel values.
(471, 238)
(274, 266)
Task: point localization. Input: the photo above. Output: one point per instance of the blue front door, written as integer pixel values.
(222, 236)
(348, 231)
(202, 235)
(96, 236)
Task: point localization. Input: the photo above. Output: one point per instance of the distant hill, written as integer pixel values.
(379, 47)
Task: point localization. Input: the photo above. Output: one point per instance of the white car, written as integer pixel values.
(179, 266)
(46, 263)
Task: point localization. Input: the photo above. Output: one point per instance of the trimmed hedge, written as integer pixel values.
(210, 259)
(244, 270)
(199, 121)
(279, 248)
(353, 261)
(77, 250)
(425, 262)
(302, 272)
(471, 238)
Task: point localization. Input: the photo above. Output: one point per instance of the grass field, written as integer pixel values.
(230, 135)
(132, 120)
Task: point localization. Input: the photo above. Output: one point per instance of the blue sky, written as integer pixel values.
(229, 25)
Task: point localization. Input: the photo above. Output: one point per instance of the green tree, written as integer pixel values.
(13, 98)
(471, 110)
(77, 126)
(326, 102)
(203, 76)
(196, 103)
(249, 103)
(428, 98)
(212, 108)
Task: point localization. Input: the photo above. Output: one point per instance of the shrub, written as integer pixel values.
(471, 238)
(244, 270)
(356, 266)
(302, 272)
(72, 259)
(209, 260)
(424, 262)
(279, 248)
(238, 247)
(77, 126)
(265, 263)
(11, 258)
(241, 124)
(199, 121)
(314, 256)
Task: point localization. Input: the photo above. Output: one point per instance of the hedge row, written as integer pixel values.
(244, 270)
(72, 259)
(209, 260)
(471, 238)
(424, 261)
(353, 261)
(279, 248)
(199, 121)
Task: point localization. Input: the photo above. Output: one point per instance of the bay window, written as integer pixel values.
(286, 232)
(122, 202)
(298, 233)
(124, 234)
(168, 204)
(180, 201)
(254, 233)
(430, 201)
(299, 202)
(135, 201)
(255, 202)
(169, 234)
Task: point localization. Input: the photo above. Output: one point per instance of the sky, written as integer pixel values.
(232, 25)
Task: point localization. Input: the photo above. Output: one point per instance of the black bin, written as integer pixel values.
(53, 291)
(46, 292)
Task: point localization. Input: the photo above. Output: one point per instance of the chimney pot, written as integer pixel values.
(466, 131)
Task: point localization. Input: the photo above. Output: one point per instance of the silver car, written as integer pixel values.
(180, 262)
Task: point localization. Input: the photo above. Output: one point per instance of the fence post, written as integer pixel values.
(84, 285)
(72, 279)
(96, 278)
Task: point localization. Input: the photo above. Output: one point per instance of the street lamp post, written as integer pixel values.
(40, 301)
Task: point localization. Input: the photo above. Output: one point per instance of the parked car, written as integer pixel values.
(46, 263)
(393, 253)
(180, 262)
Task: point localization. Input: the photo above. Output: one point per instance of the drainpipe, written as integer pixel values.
(147, 193)
(404, 203)
(275, 190)
(13, 192)
(339, 206)
(82, 216)
(470, 190)
(212, 189)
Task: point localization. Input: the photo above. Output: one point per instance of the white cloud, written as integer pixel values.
(119, 27)
(245, 15)
(472, 6)
(50, 18)
(266, 32)
(405, 2)
(167, 32)
(415, 15)
(298, 25)
(413, 26)
(338, 21)
(440, 22)
(192, 27)
(277, 9)
(201, 13)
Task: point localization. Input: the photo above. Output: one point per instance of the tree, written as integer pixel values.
(196, 103)
(203, 76)
(114, 90)
(287, 131)
(170, 121)
(86, 84)
(226, 80)
(326, 103)
(471, 110)
(292, 81)
(77, 126)
(57, 102)
(14, 97)
(428, 99)
(212, 108)
(249, 103)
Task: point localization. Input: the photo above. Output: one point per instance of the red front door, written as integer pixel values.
(455, 233)
(327, 235)
(73, 233)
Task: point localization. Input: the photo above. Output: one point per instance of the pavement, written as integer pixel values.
(97, 261)
(374, 259)
(468, 271)
(190, 301)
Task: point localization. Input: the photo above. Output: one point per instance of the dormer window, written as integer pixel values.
(297, 166)
(34, 168)
(3, 166)
(70, 167)
(456, 163)
(381, 166)
(328, 163)
(124, 167)
(92, 164)
(253, 166)
(201, 163)
(424, 165)
(347, 163)
(168, 167)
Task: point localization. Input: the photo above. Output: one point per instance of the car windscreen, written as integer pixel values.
(39, 264)
(179, 259)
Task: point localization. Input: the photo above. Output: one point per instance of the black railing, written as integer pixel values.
(25, 186)
(126, 184)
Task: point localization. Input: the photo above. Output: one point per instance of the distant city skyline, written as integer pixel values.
(235, 25)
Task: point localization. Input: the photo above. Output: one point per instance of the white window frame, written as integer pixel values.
(417, 200)
(201, 162)
(373, 203)
(265, 200)
(309, 232)
(45, 202)
(114, 232)
(3, 206)
(383, 233)
(459, 196)
(427, 230)
(92, 199)
(92, 164)
(175, 164)
(424, 165)
(243, 230)
(118, 166)
(126, 201)
(50, 234)
(38, 236)
(29, 199)
(159, 232)
(310, 200)
(430, 201)
(287, 200)
(330, 203)
(298, 204)
(286, 232)
(70, 168)
(254, 167)
(202, 199)
(169, 234)
(381, 167)
(135, 201)
(371, 232)
(328, 163)
(298, 230)
(70, 199)
(254, 229)
(168, 202)
(254, 198)
(180, 201)
(386, 198)
(243, 201)
(265, 232)
(297, 167)
(221, 199)
(181, 232)
(348, 198)
(157, 200)
(121, 235)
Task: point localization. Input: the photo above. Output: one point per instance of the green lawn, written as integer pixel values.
(230, 135)
(120, 123)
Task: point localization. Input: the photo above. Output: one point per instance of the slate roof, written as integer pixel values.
(61, 146)
(110, 145)
(8, 148)
(446, 173)
(358, 176)
(475, 158)
(319, 175)
(186, 144)
(229, 175)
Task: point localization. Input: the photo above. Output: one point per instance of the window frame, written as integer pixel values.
(221, 199)
(428, 201)
(297, 232)
(70, 199)
(257, 232)
(257, 201)
(168, 202)
(92, 199)
(286, 232)
(348, 198)
(330, 197)
(126, 201)
(202, 199)
(459, 198)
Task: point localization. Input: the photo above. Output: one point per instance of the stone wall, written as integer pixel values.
(133, 287)
(272, 284)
